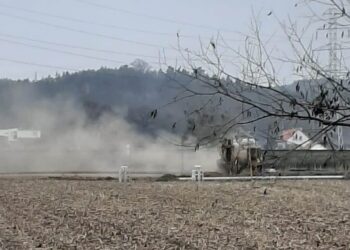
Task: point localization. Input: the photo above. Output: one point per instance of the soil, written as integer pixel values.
(80, 214)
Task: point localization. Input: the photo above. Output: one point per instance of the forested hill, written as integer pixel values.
(82, 98)
(127, 91)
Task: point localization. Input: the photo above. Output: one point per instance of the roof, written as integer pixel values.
(287, 134)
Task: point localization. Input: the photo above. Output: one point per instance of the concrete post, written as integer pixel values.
(123, 174)
(197, 173)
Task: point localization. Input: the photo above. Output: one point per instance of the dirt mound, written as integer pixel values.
(167, 177)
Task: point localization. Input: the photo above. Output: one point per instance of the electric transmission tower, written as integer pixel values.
(334, 48)
(335, 61)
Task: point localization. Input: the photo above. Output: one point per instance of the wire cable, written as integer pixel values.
(59, 51)
(154, 17)
(85, 32)
(77, 47)
(72, 19)
(36, 64)
(80, 47)
(112, 26)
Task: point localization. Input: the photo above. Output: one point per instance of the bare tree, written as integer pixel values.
(320, 93)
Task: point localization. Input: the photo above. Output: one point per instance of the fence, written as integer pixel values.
(307, 160)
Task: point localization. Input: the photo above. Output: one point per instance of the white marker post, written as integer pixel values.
(123, 174)
(197, 174)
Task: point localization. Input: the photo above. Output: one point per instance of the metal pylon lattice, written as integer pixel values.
(340, 135)
(334, 63)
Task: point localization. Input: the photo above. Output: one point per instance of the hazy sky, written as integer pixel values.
(86, 34)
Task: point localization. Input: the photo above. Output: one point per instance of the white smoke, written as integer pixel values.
(70, 143)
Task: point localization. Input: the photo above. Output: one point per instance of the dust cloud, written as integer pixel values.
(72, 142)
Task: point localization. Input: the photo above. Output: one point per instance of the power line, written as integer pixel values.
(80, 47)
(36, 64)
(78, 31)
(112, 26)
(85, 21)
(153, 17)
(92, 49)
(85, 32)
(70, 53)
(59, 51)
(65, 45)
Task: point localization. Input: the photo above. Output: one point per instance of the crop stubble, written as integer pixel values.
(81, 214)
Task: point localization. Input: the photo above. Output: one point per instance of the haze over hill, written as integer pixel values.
(88, 118)
(125, 92)
(128, 93)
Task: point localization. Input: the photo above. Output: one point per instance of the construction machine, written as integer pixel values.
(239, 155)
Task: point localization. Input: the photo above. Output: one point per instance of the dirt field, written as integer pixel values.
(73, 214)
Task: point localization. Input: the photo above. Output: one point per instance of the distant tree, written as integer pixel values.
(141, 65)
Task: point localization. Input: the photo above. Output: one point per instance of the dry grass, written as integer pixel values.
(73, 214)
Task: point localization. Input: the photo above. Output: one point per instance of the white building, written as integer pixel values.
(292, 138)
(14, 134)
